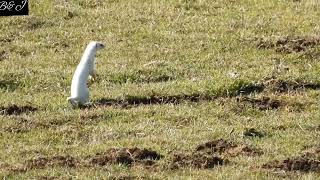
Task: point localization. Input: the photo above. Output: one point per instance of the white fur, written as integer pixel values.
(86, 67)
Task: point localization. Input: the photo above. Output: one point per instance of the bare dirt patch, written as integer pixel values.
(280, 127)
(289, 44)
(303, 164)
(16, 110)
(69, 15)
(249, 89)
(7, 39)
(34, 23)
(279, 85)
(21, 125)
(274, 84)
(313, 54)
(89, 119)
(264, 103)
(127, 157)
(3, 55)
(47, 177)
(141, 76)
(43, 162)
(309, 161)
(252, 132)
(207, 155)
(89, 4)
(226, 148)
(211, 154)
(198, 160)
(313, 151)
(125, 177)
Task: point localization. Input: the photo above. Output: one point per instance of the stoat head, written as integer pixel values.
(97, 45)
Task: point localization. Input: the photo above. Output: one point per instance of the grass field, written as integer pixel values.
(186, 89)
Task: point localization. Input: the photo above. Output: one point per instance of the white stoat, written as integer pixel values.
(79, 88)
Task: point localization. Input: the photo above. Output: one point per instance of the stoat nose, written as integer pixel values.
(100, 45)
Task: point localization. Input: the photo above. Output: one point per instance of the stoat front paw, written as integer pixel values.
(92, 79)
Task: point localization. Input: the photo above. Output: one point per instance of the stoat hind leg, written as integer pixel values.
(73, 101)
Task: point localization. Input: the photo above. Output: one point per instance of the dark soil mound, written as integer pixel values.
(263, 103)
(251, 132)
(16, 110)
(43, 162)
(223, 147)
(303, 164)
(289, 44)
(126, 157)
(309, 161)
(195, 161)
(279, 85)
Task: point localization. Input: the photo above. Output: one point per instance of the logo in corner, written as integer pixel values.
(14, 8)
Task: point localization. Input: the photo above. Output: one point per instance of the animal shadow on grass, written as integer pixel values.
(131, 101)
(267, 85)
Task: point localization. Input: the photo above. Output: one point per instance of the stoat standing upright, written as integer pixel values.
(79, 88)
